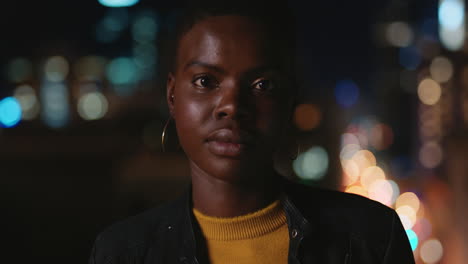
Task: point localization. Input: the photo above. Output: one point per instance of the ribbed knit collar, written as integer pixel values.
(247, 226)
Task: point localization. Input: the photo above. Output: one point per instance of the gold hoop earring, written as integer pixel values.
(163, 134)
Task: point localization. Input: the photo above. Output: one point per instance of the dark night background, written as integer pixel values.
(59, 187)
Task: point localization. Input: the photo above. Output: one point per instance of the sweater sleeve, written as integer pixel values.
(398, 248)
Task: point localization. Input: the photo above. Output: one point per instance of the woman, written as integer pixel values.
(230, 92)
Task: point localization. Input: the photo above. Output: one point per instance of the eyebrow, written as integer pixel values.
(205, 65)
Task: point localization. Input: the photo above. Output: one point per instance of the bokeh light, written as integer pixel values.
(429, 91)
(10, 112)
(399, 34)
(423, 228)
(410, 57)
(19, 70)
(371, 174)
(111, 27)
(356, 189)
(452, 23)
(441, 69)
(56, 69)
(382, 191)
(312, 164)
(451, 13)
(381, 136)
(92, 106)
(55, 104)
(90, 68)
(28, 101)
(413, 239)
(395, 191)
(145, 27)
(121, 71)
(307, 117)
(408, 199)
(351, 172)
(431, 251)
(364, 159)
(407, 216)
(346, 93)
(431, 155)
(349, 151)
(118, 3)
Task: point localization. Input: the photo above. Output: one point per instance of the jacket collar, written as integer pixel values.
(191, 239)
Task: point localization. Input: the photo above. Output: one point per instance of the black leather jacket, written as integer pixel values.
(326, 227)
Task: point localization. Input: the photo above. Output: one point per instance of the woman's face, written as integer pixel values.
(229, 101)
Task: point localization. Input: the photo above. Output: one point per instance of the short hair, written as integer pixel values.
(276, 16)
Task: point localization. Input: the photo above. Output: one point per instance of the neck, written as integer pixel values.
(222, 198)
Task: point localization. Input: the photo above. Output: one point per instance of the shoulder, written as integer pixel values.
(134, 233)
(342, 211)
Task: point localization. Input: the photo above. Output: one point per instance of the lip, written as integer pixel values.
(229, 143)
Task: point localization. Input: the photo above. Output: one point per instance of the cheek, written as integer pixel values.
(267, 115)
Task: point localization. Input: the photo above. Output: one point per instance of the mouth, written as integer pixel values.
(229, 143)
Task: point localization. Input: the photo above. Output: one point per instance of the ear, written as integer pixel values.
(170, 98)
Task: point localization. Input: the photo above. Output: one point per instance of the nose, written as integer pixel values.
(232, 103)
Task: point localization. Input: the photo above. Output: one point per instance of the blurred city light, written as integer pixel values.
(395, 191)
(407, 216)
(55, 105)
(430, 155)
(413, 238)
(346, 93)
(145, 27)
(92, 106)
(122, 71)
(307, 117)
(28, 101)
(441, 69)
(10, 112)
(371, 174)
(381, 136)
(348, 151)
(357, 189)
(312, 164)
(452, 23)
(451, 13)
(429, 91)
(56, 69)
(399, 34)
(382, 191)
(118, 3)
(19, 70)
(110, 28)
(410, 57)
(431, 251)
(90, 68)
(423, 228)
(408, 199)
(364, 159)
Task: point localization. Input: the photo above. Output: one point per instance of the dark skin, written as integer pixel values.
(231, 110)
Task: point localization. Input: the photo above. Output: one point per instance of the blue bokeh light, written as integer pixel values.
(413, 238)
(346, 93)
(10, 112)
(122, 71)
(451, 14)
(409, 58)
(118, 3)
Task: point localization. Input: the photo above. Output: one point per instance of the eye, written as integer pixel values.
(263, 85)
(205, 81)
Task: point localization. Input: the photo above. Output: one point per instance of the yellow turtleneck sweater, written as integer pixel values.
(258, 237)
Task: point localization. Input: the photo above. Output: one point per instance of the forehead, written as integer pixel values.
(234, 41)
